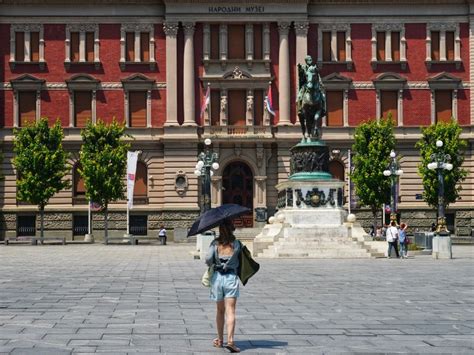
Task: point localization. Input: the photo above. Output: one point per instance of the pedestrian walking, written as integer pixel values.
(223, 256)
(392, 237)
(403, 240)
(162, 234)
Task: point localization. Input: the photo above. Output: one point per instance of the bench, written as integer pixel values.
(35, 240)
(136, 238)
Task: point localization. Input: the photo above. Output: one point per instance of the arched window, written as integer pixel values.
(79, 189)
(140, 190)
(336, 169)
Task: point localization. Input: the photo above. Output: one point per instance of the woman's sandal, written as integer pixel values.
(218, 343)
(232, 348)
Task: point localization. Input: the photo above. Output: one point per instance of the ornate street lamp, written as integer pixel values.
(394, 172)
(206, 160)
(440, 162)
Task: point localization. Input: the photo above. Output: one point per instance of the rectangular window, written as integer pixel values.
(444, 105)
(257, 42)
(89, 46)
(74, 45)
(80, 225)
(27, 107)
(82, 108)
(237, 105)
(435, 45)
(34, 46)
(130, 47)
(215, 107)
(381, 46)
(145, 46)
(19, 46)
(450, 45)
(389, 104)
(335, 107)
(137, 108)
(341, 46)
(215, 42)
(138, 224)
(236, 38)
(26, 226)
(327, 46)
(258, 105)
(395, 41)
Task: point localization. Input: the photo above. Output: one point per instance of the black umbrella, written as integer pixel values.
(215, 216)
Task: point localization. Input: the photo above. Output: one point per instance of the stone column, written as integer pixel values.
(284, 74)
(171, 31)
(188, 75)
(301, 29)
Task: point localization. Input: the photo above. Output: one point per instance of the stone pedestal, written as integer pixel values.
(89, 238)
(442, 248)
(202, 244)
(310, 222)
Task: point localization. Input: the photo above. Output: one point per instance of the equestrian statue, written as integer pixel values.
(311, 100)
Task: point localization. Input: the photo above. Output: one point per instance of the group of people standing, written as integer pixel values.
(395, 236)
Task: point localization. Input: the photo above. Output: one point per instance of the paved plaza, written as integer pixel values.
(148, 298)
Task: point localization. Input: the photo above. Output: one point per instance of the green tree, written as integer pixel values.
(373, 142)
(449, 134)
(41, 163)
(103, 160)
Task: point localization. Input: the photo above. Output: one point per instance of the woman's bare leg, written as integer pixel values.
(230, 318)
(220, 319)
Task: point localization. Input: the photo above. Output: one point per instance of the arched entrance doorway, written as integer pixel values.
(237, 183)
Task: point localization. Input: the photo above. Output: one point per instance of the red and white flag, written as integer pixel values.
(205, 102)
(132, 158)
(269, 101)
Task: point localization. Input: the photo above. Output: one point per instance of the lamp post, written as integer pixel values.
(394, 172)
(440, 162)
(206, 160)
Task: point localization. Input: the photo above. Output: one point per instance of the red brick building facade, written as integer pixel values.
(149, 63)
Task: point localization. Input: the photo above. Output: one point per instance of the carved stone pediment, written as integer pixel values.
(444, 80)
(389, 81)
(237, 74)
(138, 82)
(27, 82)
(336, 81)
(82, 82)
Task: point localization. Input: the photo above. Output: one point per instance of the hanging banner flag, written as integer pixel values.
(269, 101)
(205, 102)
(132, 158)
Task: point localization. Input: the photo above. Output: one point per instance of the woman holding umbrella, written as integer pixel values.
(223, 255)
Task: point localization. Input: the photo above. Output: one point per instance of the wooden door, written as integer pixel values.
(237, 183)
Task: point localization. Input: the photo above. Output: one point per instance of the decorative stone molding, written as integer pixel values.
(137, 28)
(82, 82)
(27, 28)
(170, 28)
(301, 28)
(443, 27)
(334, 28)
(138, 82)
(82, 28)
(283, 28)
(388, 28)
(181, 182)
(26, 82)
(389, 81)
(188, 28)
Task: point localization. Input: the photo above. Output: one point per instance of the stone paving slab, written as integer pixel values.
(147, 299)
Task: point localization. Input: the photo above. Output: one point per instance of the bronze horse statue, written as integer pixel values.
(311, 100)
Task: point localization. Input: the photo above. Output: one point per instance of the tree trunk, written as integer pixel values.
(374, 214)
(106, 224)
(42, 223)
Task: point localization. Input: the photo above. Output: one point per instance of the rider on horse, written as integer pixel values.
(311, 99)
